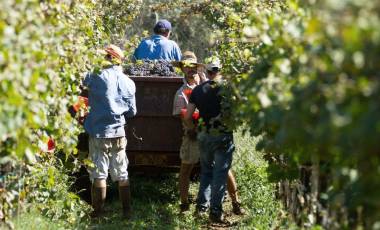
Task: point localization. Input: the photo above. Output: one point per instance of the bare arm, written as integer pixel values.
(179, 103)
(189, 116)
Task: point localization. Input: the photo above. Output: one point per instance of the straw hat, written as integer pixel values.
(114, 51)
(188, 59)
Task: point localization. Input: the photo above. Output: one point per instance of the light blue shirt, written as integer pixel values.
(158, 47)
(111, 97)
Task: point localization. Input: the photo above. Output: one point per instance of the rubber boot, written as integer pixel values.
(98, 197)
(125, 197)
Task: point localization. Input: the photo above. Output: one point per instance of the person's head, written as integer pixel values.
(189, 67)
(114, 54)
(213, 68)
(163, 27)
(191, 74)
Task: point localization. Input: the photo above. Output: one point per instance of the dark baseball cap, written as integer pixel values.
(163, 24)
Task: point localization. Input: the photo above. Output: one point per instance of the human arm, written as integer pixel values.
(179, 103)
(137, 55)
(188, 119)
(128, 95)
(81, 105)
(132, 111)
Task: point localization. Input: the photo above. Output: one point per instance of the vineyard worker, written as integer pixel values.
(215, 143)
(189, 152)
(111, 99)
(159, 46)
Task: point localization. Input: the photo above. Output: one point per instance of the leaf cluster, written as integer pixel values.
(305, 75)
(45, 49)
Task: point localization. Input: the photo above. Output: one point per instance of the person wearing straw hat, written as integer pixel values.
(159, 46)
(111, 98)
(215, 143)
(189, 152)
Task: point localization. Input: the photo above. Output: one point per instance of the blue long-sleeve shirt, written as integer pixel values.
(158, 47)
(111, 97)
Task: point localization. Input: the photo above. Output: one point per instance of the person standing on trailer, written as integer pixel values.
(159, 46)
(111, 99)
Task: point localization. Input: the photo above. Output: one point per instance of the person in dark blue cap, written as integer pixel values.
(158, 46)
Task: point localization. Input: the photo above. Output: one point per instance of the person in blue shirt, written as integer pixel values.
(111, 98)
(158, 46)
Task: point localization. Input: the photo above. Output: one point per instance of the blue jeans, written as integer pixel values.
(215, 158)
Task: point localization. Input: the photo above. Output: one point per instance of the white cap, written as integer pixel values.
(215, 63)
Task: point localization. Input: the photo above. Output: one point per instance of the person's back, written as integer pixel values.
(109, 93)
(207, 99)
(159, 46)
(215, 143)
(111, 98)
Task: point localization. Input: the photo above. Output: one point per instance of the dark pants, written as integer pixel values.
(215, 158)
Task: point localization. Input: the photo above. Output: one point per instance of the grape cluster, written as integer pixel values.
(150, 68)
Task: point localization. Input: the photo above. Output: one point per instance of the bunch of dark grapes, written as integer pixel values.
(150, 68)
(134, 69)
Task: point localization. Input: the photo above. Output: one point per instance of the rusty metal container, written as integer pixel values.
(154, 134)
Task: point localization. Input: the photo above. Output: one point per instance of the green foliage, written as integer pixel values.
(115, 15)
(45, 49)
(43, 190)
(306, 76)
(190, 30)
(35, 221)
(47, 188)
(255, 190)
